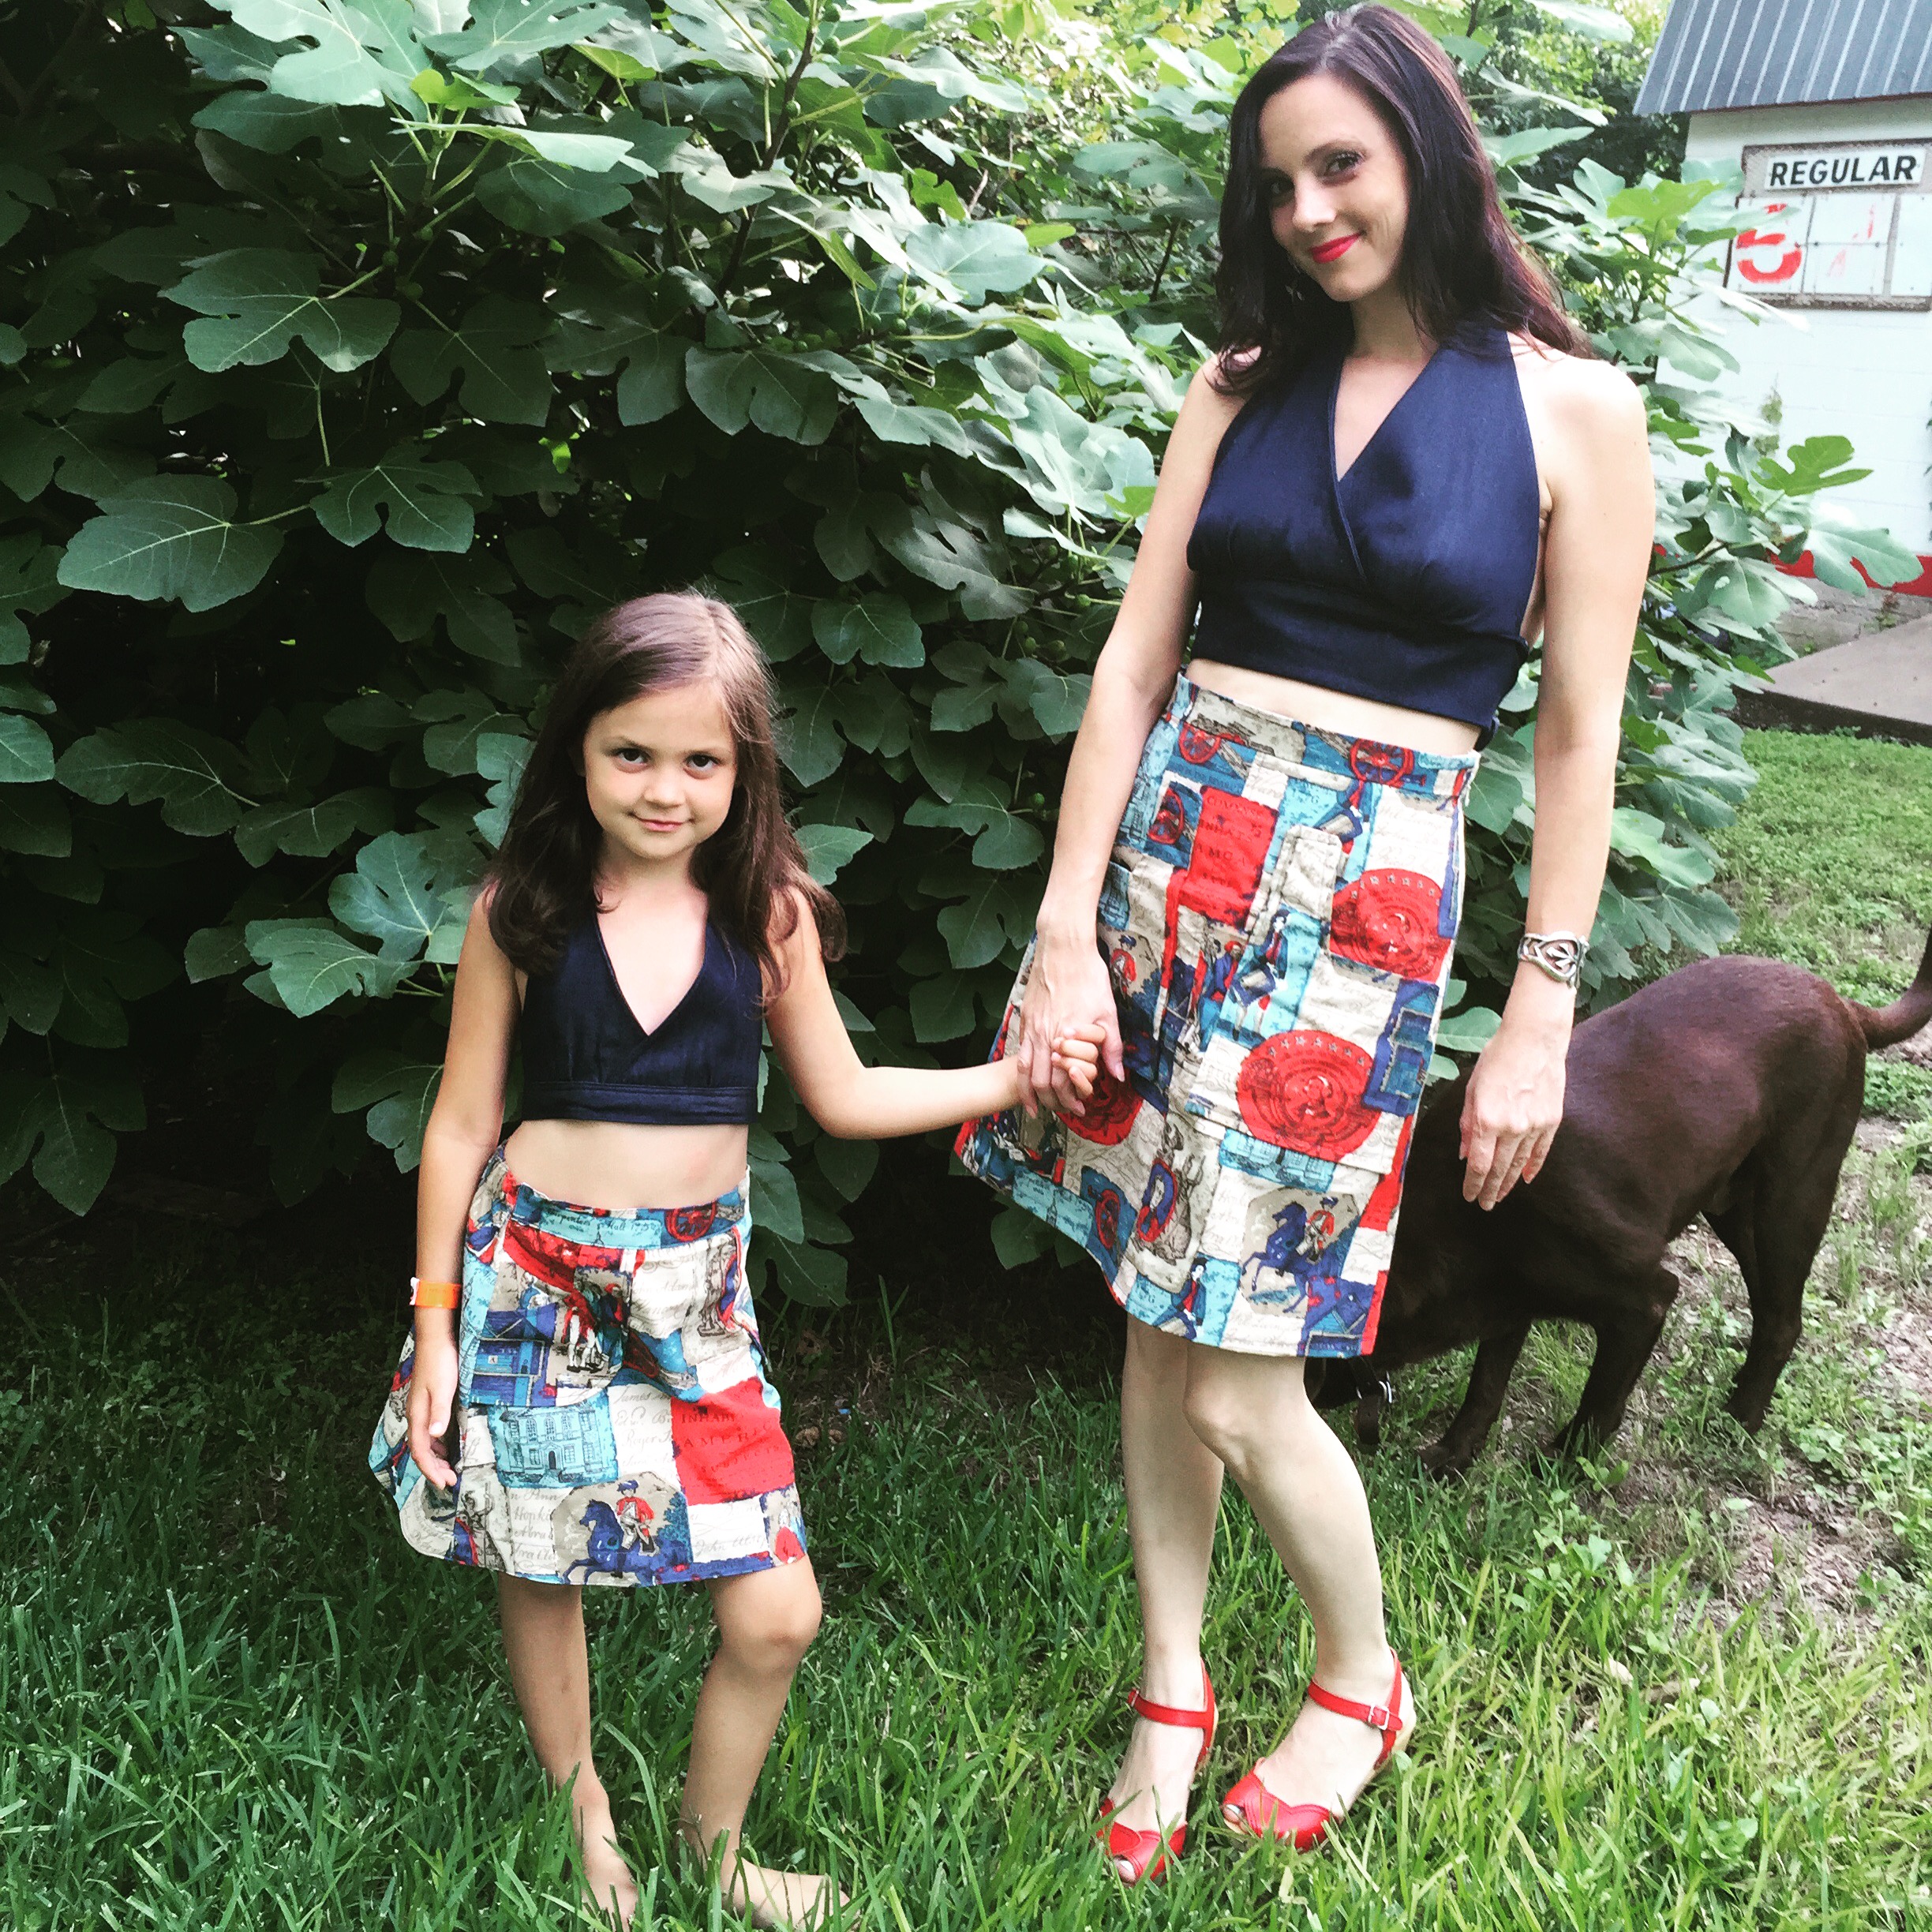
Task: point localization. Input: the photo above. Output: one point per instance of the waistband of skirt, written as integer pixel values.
(610, 1227)
(1334, 754)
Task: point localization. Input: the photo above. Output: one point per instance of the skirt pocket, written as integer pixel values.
(1318, 1054)
(551, 1331)
(692, 1327)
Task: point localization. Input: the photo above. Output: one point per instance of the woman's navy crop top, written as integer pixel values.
(585, 1057)
(1407, 579)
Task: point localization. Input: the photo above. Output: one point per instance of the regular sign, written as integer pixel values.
(1843, 166)
(1847, 224)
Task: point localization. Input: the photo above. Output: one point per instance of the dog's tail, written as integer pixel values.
(1905, 1014)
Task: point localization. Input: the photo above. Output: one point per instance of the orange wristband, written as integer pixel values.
(434, 1294)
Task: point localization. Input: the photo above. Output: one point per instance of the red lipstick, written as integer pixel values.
(1326, 252)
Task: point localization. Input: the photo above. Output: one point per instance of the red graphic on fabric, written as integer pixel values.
(634, 1509)
(1380, 1213)
(554, 1258)
(1303, 1091)
(1170, 822)
(691, 1224)
(786, 1547)
(1110, 1110)
(1122, 961)
(1177, 881)
(1202, 748)
(1230, 847)
(730, 1445)
(1386, 764)
(1389, 919)
(1375, 1315)
(1107, 1208)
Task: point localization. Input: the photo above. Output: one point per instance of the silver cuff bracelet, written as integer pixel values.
(1559, 954)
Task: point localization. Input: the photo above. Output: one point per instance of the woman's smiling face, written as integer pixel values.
(1336, 185)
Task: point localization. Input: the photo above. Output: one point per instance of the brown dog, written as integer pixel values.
(1729, 1089)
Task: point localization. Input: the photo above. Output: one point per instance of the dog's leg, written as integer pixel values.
(1623, 1348)
(1482, 1402)
(1370, 1410)
(1775, 1235)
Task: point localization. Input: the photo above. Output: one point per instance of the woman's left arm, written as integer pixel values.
(1597, 554)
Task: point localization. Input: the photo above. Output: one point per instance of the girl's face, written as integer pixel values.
(1337, 189)
(659, 772)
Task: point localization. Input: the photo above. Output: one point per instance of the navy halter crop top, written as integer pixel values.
(585, 1057)
(1406, 580)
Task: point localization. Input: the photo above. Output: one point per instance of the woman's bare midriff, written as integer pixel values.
(620, 1165)
(1333, 710)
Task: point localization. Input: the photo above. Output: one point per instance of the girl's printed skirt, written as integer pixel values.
(615, 1423)
(1278, 920)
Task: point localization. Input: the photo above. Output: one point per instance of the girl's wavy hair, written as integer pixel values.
(752, 867)
(1460, 259)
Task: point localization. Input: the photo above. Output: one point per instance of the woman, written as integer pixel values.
(1400, 464)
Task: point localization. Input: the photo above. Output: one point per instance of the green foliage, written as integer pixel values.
(359, 354)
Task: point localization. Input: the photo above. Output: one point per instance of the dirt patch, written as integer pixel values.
(1907, 1337)
(1794, 1528)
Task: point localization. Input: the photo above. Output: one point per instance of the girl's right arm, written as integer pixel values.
(464, 1127)
(1069, 991)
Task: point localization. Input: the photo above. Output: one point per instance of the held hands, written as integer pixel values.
(432, 1389)
(1068, 998)
(1515, 1102)
(1075, 1058)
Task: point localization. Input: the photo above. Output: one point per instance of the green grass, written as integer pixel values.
(1686, 1687)
(234, 1698)
(1830, 863)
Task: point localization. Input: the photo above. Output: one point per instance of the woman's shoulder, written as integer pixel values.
(1582, 394)
(1216, 385)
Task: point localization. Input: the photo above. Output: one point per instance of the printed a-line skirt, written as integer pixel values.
(614, 1421)
(1278, 921)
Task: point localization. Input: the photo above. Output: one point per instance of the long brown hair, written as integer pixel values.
(752, 868)
(1460, 259)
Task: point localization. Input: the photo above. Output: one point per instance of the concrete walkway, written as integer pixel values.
(1880, 684)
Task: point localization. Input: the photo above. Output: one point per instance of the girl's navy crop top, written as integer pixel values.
(585, 1057)
(1406, 580)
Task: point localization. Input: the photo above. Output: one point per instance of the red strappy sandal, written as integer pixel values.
(1264, 1814)
(1144, 1851)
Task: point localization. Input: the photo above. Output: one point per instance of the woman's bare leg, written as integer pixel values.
(1253, 1412)
(543, 1633)
(766, 1620)
(1173, 1494)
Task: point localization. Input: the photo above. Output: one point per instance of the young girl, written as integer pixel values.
(584, 1400)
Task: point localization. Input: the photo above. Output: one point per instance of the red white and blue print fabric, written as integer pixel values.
(1278, 920)
(614, 1422)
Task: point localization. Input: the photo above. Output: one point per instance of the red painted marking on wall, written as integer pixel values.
(1920, 585)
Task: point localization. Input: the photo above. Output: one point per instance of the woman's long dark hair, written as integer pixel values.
(1461, 260)
(752, 868)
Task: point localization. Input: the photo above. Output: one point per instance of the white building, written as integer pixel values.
(1826, 107)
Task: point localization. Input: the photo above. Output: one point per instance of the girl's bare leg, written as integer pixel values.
(543, 1632)
(766, 1621)
(1253, 1412)
(1174, 1494)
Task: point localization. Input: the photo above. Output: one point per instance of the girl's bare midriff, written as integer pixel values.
(620, 1165)
(1333, 710)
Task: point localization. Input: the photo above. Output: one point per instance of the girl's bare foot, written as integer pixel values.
(607, 1880)
(798, 1901)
